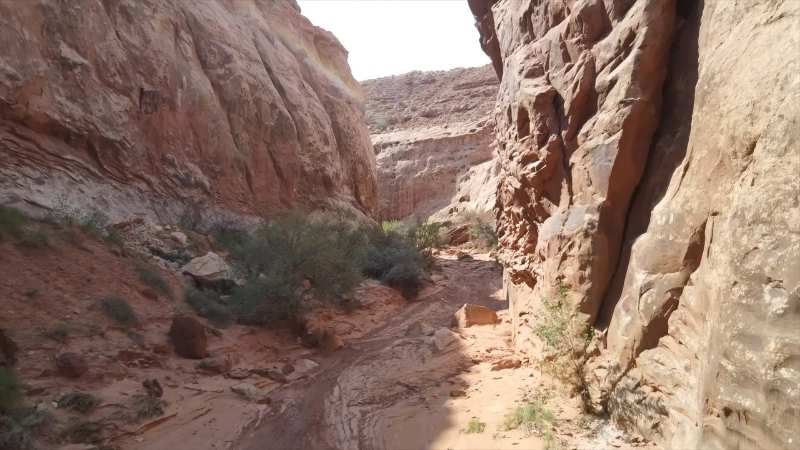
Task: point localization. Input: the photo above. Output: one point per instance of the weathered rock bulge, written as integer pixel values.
(139, 108)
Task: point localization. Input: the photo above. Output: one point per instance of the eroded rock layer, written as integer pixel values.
(433, 134)
(139, 107)
(647, 172)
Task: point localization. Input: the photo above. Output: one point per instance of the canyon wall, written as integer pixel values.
(649, 159)
(138, 108)
(433, 134)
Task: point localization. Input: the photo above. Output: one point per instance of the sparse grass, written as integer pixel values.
(562, 335)
(119, 310)
(10, 389)
(475, 426)
(207, 304)
(18, 427)
(81, 402)
(532, 417)
(152, 278)
(58, 332)
(83, 432)
(146, 407)
(12, 223)
(34, 239)
(481, 227)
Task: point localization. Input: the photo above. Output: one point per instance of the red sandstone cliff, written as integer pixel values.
(139, 108)
(649, 153)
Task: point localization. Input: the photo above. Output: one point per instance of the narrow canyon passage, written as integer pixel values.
(412, 383)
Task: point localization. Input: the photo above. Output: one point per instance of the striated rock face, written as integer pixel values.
(138, 107)
(646, 170)
(433, 136)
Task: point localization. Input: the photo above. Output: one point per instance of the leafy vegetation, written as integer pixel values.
(18, 427)
(475, 426)
(532, 417)
(481, 227)
(562, 334)
(12, 223)
(152, 278)
(10, 389)
(208, 304)
(119, 310)
(59, 332)
(81, 402)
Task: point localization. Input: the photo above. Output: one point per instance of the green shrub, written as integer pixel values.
(152, 278)
(531, 417)
(146, 407)
(565, 338)
(12, 223)
(475, 426)
(396, 260)
(207, 304)
(10, 389)
(18, 427)
(79, 402)
(119, 310)
(58, 332)
(265, 301)
(406, 277)
(481, 227)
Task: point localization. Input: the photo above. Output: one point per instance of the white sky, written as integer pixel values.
(389, 37)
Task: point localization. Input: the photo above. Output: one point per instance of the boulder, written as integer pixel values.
(8, 350)
(469, 315)
(421, 328)
(71, 365)
(189, 338)
(216, 365)
(209, 270)
(444, 338)
(251, 392)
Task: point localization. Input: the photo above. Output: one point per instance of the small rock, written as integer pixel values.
(287, 369)
(464, 256)
(303, 365)
(188, 336)
(470, 314)
(458, 393)
(180, 238)
(149, 294)
(508, 363)
(153, 388)
(419, 329)
(71, 365)
(238, 374)
(8, 350)
(250, 392)
(216, 365)
(444, 338)
(273, 375)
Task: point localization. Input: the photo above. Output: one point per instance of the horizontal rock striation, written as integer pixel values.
(142, 107)
(646, 170)
(433, 135)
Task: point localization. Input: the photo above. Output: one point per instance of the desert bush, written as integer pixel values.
(152, 278)
(565, 336)
(18, 427)
(475, 426)
(532, 417)
(146, 407)
(396, 260)
(481, 228)
(59, 332)
(81, 402)
(10, 389)
(208, 304)
(119, 310)
(12, 223)
(83, 432)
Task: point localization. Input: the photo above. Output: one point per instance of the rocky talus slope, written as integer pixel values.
(648, 175)
(139, 108)
(433, 135)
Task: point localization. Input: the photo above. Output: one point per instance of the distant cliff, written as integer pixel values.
(433, 134)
